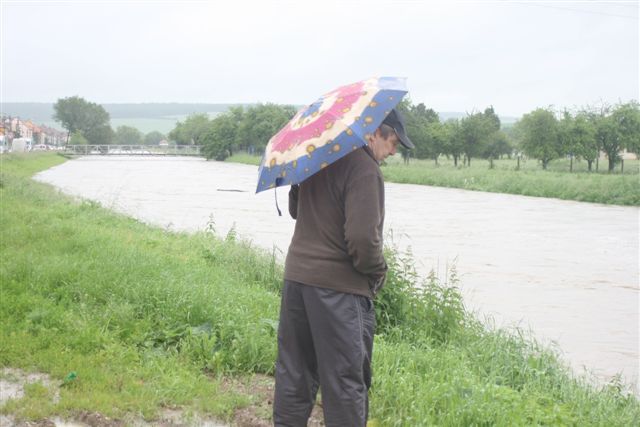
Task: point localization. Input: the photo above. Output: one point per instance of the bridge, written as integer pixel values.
(132, 150)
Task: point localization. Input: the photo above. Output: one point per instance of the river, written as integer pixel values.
(567, 271)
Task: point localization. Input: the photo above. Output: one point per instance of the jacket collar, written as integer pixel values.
(368, 150)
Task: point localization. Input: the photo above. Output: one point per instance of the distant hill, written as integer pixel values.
(151, 116)
(41, 111)
(145, 117)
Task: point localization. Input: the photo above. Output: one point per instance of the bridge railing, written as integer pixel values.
(133, 150)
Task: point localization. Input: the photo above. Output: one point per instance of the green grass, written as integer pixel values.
(150, 319)
(530, 180)
(245, 158)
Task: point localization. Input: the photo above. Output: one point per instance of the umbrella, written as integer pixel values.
(327, 130)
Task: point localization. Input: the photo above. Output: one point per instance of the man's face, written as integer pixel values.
(383, 147)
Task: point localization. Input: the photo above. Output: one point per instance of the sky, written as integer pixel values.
(456, 56)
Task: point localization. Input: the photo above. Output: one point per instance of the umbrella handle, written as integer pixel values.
(275, 193)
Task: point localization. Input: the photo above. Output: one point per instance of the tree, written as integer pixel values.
(437, 140)
(606, 137)
(128, 135)
(567, 142)
(492, 120)
(259, 123)
(474, 130)
(455, 141)
(78, 139)
(192, 131)
(497, 145)
(577, 136)
(627, 120)
(153, 138)
(539, 135)
(586, 143)
(423, 129)
(76, 114)
(217, 142)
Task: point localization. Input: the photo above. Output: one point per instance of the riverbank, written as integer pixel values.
(149, 319)
(529, 180)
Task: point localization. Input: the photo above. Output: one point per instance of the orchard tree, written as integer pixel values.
(538, 131)
(497, 145)
(578, 138)
(607, 136)
(474, 130)
(568, 144)
(584, 132)
(627, 120)
(455, 141)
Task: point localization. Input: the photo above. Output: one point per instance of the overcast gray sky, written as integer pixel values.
(457, 56)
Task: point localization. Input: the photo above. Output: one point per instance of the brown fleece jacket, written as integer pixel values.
(339, 212)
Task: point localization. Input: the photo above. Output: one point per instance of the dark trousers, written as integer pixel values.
(325, 339)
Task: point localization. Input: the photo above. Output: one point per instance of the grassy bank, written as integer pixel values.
(150, 319)
(529, 180)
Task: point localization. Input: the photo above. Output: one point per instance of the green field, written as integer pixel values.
(149, 319)
(530, 180)
(145, 125)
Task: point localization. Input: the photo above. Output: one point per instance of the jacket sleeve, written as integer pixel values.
(293, 201)
(364, 218)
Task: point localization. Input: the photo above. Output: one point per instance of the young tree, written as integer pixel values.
(455, 141)
(539, 135)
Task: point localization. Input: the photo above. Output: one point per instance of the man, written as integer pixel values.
(334, 268)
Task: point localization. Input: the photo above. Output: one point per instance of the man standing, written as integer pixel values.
(334, 268)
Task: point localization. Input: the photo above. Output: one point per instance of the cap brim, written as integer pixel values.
(405, 141)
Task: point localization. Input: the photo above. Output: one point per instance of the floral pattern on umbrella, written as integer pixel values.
(327, 130)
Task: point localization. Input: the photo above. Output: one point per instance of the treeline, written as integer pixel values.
(238, 129)
(541, 134)
(43, 111)
(89, 123)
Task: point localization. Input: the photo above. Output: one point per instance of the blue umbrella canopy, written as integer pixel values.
(327, 130)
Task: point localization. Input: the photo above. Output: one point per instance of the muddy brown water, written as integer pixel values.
(568, 271)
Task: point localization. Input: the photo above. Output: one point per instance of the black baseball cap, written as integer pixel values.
(395, 120)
